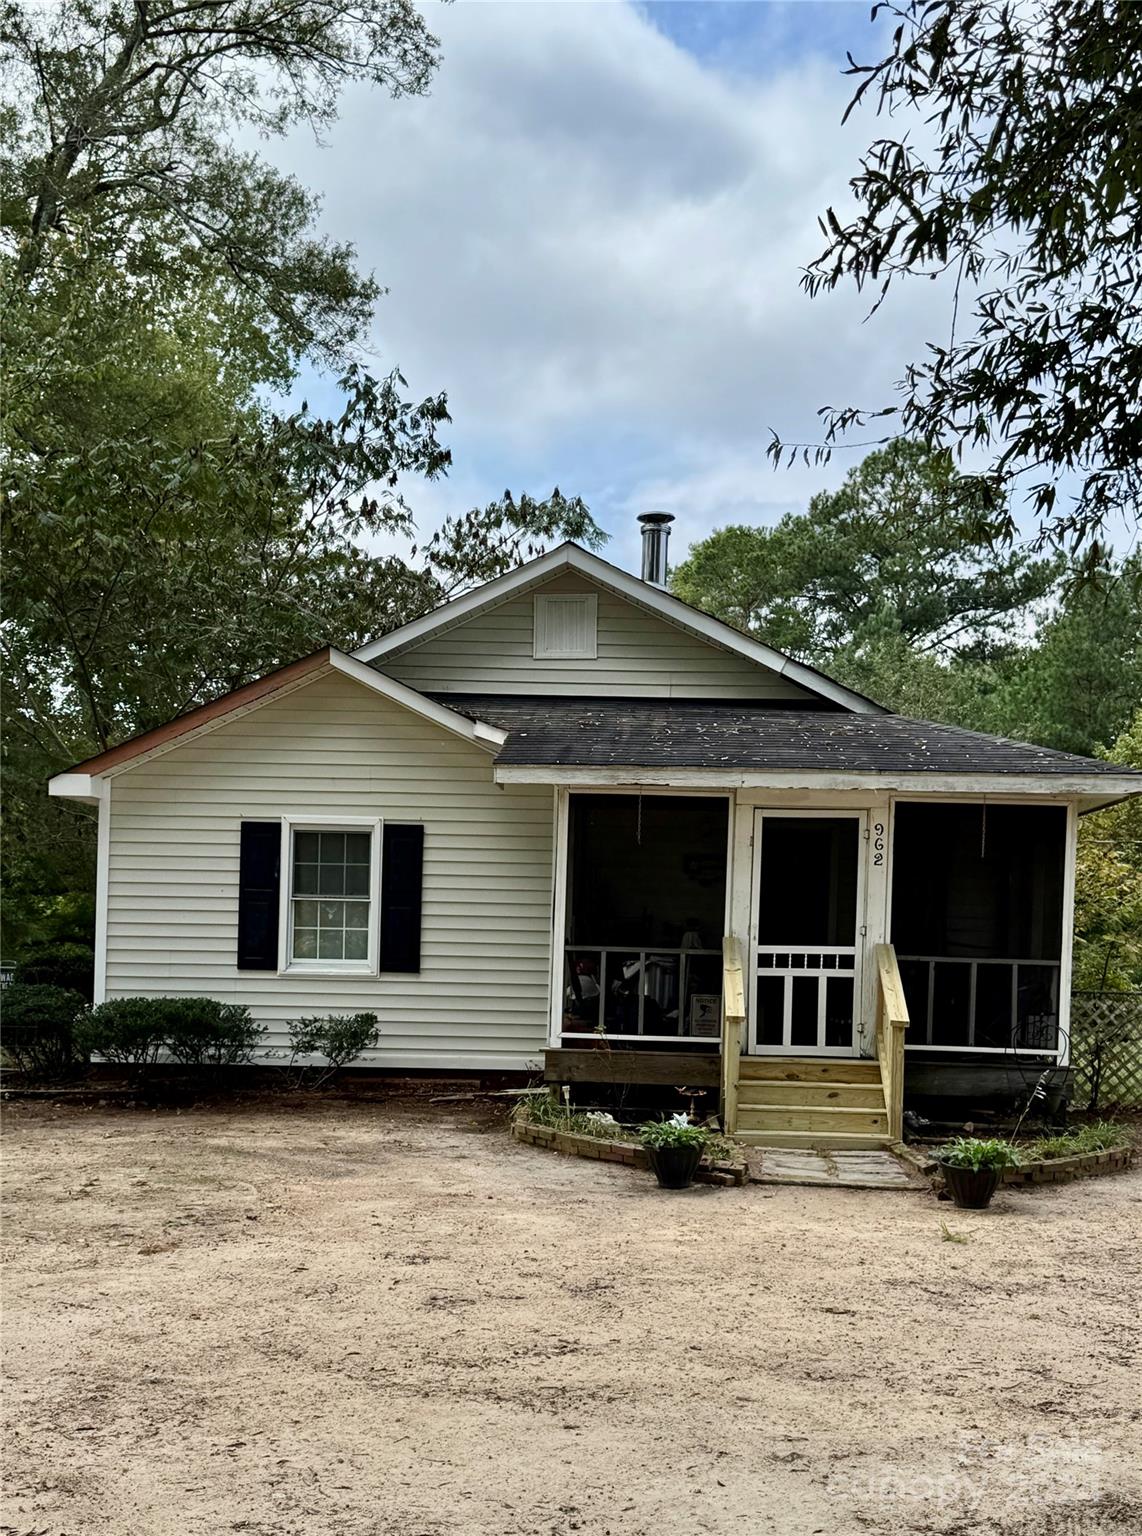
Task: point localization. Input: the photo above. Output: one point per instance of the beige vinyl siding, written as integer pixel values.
(639, 655)
(334, 748)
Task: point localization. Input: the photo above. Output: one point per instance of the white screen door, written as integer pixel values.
(807, 902)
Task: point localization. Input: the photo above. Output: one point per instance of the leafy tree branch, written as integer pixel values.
(1013, 172)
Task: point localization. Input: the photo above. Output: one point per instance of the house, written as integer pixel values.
(568, 819)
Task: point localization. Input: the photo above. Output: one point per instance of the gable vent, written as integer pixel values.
(566, 626)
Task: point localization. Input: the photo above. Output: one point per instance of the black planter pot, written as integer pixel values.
(674, 1167)
(970, 1188)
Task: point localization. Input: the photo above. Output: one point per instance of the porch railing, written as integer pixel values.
(623, 968)
(733, 1025)
(1001, 1004)
(891, 1023)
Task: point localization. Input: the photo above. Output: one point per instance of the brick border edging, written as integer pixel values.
(1062, 1170)
(1053, 1170)
(628, 1153)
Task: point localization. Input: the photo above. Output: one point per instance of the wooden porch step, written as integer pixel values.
(800, 1117)
(809, 1069)
(821, 1095)
(824, 1141)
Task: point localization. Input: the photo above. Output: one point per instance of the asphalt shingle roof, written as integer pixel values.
(664, 733)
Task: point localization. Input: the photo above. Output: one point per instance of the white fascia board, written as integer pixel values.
(78, 786)
(1102, 789)
(655, 599)
(1087, 799)
(476, 731)
(718, 633)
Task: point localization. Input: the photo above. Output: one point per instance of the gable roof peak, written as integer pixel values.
(657, 600)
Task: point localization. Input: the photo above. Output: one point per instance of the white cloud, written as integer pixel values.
(592, 242)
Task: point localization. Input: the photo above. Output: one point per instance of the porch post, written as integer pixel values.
(561, 798)
(740, 917)
(1067, 938)
(876, 918)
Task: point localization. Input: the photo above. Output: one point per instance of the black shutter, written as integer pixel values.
(259, 884)
(402, 862)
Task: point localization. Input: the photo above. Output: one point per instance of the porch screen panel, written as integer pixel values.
(977, 922)
(803, 1010)
(647, 870)
(809, 881)
(646, 911)
(839, 1012)
(770, 1010)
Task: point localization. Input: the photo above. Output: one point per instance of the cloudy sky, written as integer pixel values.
(592, 231)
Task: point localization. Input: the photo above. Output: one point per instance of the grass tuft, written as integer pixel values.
(1101, 1136)
(546, 1109)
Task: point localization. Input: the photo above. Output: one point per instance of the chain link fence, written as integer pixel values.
(1106, 1049)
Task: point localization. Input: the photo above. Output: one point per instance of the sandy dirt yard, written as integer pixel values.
(301, 1320)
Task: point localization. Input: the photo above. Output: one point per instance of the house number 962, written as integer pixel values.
(878, 842)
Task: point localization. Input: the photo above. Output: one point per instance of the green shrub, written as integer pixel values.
(1099, 1137)
(71, 966)
(127, 1031)
(196, 1032)
(338, 1038)
(975, 1152)
(201, 1032)
(39, 1029)
(677, 1132)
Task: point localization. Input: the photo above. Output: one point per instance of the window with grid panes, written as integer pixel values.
(329, 896)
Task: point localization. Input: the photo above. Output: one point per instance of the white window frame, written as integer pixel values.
(287, 966)
(581, 653)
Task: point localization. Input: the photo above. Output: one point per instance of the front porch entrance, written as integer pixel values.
(754, 942)
(652, 989)
(806, 952)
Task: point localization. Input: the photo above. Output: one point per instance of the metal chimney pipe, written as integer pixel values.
(655, 537)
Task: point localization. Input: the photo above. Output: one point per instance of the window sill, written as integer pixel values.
(328, 968)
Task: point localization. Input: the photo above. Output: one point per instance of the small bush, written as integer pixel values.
(1099, 1137)
(71, 966)
(338, 1038)
(201, 1032)
(676, 1132)
(127, 1031)
(975, 1152)
(39, 1035)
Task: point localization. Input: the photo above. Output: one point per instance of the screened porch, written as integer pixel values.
(977, 923)
(645, 915)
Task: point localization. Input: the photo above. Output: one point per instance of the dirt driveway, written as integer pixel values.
(386, 1318)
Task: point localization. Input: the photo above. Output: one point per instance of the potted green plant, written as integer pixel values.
(972, 1166)
(674, 1148)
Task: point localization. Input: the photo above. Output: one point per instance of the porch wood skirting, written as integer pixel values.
(671, 1069)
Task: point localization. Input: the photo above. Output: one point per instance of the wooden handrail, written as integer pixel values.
(891, 1022)
(733, 1023)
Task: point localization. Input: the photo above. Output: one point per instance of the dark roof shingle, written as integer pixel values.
(665, 733)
